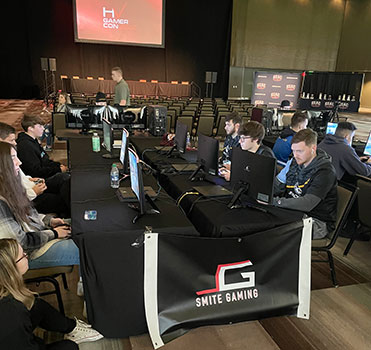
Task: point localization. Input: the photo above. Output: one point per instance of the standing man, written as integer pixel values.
(122, 91)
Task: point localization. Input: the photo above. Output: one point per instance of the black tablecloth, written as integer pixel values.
(111, 268)
(327, 105)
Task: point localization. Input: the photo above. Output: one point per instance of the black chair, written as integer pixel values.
(346, 196)
(363, 201)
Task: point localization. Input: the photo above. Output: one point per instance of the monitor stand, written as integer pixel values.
(232, 204)
(194, 176)
(151, 211)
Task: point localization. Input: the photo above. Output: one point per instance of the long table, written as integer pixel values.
(112, 269)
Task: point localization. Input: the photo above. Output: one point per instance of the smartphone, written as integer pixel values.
(39, 181)
(90, 215)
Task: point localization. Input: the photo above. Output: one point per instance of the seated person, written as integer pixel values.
(282, 146)
(251, 136)
(35, 162)
(232, 124)
(43, 237)
(308, 183)
(285, 104)
(21, 310)
(49, 195)
(344, 157)
(100, 99)
(62, 101)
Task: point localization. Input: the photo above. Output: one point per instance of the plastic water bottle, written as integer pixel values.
(188, 140)
(115, 176)
(96, 142)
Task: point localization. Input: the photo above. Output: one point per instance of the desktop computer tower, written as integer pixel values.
(156, 120)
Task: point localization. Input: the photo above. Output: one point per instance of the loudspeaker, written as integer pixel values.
(53, 64)
(44, 63)
(156, 120)
(211, 77)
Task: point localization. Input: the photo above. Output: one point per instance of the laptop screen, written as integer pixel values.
(107, 135)
(123, 146)
(367, 150)
(134, 173)
(331, 128)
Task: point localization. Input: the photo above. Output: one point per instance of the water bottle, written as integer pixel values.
(188, 140)
(114, 176)
(96, 142)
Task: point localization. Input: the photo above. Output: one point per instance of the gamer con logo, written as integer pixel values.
(315, 103)
(275, 95)
(290, 87)
(343, 105)
(261, 86)
(240, 290)
(329, 104)
(259, 102)
(277, 77)
(109, 20)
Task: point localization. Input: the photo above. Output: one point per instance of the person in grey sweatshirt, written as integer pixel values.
(344, 157)
(308, 183)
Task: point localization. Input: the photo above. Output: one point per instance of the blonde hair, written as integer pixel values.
(11, 281)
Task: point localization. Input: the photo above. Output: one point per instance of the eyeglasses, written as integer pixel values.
(24, 255)
(243, 138)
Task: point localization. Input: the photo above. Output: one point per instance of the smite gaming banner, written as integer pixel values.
(191, 281)
(271, 88)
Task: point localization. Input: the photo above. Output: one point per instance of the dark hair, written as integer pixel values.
(234, 117)
(11, 188)
(117, 69)
(100, 97)
(5, 130)
(285, 103)
(298, 118)
(253, 129)
(307, 135)
(30, 120)
(344, 129)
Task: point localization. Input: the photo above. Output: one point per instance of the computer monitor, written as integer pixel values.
(125, 117)
(124, 150)
(84, 117)
(73, 116)
(136, 179)
(107, 135)
(252, 175)
(367, 151)
(180, 139)
(331, 128)
(207, 156)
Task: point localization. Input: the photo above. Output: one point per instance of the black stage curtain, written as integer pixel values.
(197, 39)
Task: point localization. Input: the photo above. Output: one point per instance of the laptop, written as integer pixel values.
(163, 148)
(126, 194)
(184, 166)
(211, 191)
(367, 150)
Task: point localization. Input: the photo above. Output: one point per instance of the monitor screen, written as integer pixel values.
(97, 113)
(130, 22)
(254, 171)
(181, 137)
(367, 150)
(207, 153)
(331, 128)
(73, 115)
(134, 173)
(123, 152)
(107, 135)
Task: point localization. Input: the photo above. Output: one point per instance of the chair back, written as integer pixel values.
(346, 195)
(364, 200)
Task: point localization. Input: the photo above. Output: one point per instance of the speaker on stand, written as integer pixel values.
(210, 80)
(45, 68)
(53, 69)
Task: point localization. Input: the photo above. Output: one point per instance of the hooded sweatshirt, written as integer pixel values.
(282, 146)
(344, 157)
(312, 189)
(35, 161)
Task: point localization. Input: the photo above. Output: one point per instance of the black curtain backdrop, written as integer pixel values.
(197, 39)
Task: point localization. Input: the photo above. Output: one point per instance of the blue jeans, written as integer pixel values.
(59, 254)
(47, 135)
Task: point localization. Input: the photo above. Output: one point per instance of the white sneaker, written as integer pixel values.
(83, 333)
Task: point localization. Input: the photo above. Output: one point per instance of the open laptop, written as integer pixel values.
(211, 191)
(126, 194)
(367, 150)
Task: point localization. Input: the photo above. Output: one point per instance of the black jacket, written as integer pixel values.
(35, 161)
(265, 151)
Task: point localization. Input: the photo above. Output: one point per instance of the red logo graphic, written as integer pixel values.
(260, 86)
(275, 95)
(290, 87)
(329, 104)
(220, 284)
(277, 77)
(315, 103)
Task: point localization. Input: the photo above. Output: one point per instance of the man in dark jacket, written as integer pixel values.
(282, 146)
(233, 122)
(308, 183)
(35, 162)
(344, 157)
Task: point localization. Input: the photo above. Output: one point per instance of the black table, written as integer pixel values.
(111, 268)
(327, 105)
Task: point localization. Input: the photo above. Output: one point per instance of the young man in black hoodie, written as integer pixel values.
(35, 162)
(344, 157)
(308, 183)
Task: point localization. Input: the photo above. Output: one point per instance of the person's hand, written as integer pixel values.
(57, 222)
(34, 179)
(224, 172)
(63, 168)
(39, 188)
(368, 160)
(227, 166)
(63, 231)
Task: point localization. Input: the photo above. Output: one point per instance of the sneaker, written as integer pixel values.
(83, 333)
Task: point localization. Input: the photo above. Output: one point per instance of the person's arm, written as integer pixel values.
(353, 164)
(10, 228)
(280, 180)
(305, 203)
(123, 94)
